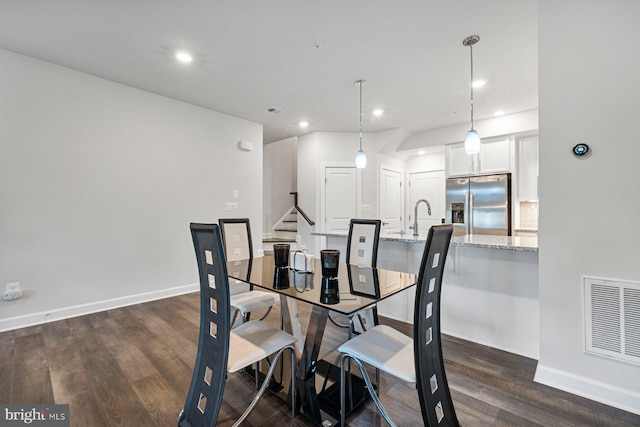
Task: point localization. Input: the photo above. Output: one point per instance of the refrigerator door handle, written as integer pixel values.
(469, 212)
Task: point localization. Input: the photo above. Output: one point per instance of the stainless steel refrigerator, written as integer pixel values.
(480, 204)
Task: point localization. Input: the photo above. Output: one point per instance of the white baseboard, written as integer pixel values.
(531, 354)
(617, 397)
(93, 307)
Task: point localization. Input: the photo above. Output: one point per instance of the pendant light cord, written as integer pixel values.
(361, 82)
(471, 50)
(361, 158)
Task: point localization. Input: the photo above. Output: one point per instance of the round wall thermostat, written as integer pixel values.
(580, 149)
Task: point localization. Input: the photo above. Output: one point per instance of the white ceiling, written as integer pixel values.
(254, 54)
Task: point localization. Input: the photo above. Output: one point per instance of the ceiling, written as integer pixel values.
(250, 55)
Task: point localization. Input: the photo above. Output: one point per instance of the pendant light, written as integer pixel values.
(361, 158)
(472, 141)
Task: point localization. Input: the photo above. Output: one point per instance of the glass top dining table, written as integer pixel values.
(358, 287)
(355, 288)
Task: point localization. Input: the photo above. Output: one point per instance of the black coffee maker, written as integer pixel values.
(329, 291)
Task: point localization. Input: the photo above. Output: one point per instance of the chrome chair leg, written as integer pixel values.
(234, 316)
(338, 324)
(350, 330)
(265, 384)
(362, 323)
(256, 370)
(293, 381)
(367, 381)
(267, 313)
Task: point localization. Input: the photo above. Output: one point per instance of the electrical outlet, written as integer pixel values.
(12, 291)
(231, 207)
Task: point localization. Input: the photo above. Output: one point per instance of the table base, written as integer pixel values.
(329, 397)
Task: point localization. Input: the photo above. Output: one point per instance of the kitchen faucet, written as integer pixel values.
(414, 227)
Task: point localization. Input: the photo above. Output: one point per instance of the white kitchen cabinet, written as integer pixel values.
(528, 168)
(494, 157)
(458, 161)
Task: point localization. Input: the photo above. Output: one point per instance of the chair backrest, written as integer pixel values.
(236, 235)
(433, 389)
(362, 243)
(209, 373)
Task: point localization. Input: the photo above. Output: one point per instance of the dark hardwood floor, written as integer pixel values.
(132, 366)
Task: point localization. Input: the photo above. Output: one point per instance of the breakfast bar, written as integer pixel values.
(490, 287)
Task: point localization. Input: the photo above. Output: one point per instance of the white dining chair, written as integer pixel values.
(362, 250)
(222, 351)
(236, 235)
(418, 360)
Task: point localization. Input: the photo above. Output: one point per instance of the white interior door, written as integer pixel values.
(391, 199)
(341, 199)
(430, 186)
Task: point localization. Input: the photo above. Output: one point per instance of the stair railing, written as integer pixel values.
(299, 209)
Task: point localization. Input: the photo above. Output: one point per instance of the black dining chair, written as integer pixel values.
(362, 251)
(221, 350)
(236, 237)
(418, 360)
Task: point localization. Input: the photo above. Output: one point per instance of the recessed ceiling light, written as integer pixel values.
(184, 57)
(421, 152)
(499, 113)
(303, 124)
(378, 112)
(479, 83)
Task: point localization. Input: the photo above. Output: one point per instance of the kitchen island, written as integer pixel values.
(490, 286)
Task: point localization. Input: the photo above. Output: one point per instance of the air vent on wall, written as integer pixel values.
(612, 317)
(274, 110)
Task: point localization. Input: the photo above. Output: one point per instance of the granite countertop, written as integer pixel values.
(513, 243)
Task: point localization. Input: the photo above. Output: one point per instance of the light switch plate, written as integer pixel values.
(15, 286)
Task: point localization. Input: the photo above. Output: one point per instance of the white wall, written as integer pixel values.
(98, 184)
(496, 126)
(432, 160)
(589, 92)
(318, 148)
(279, 162)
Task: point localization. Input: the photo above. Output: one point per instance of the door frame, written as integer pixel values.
(408, 208)
(322, 188)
